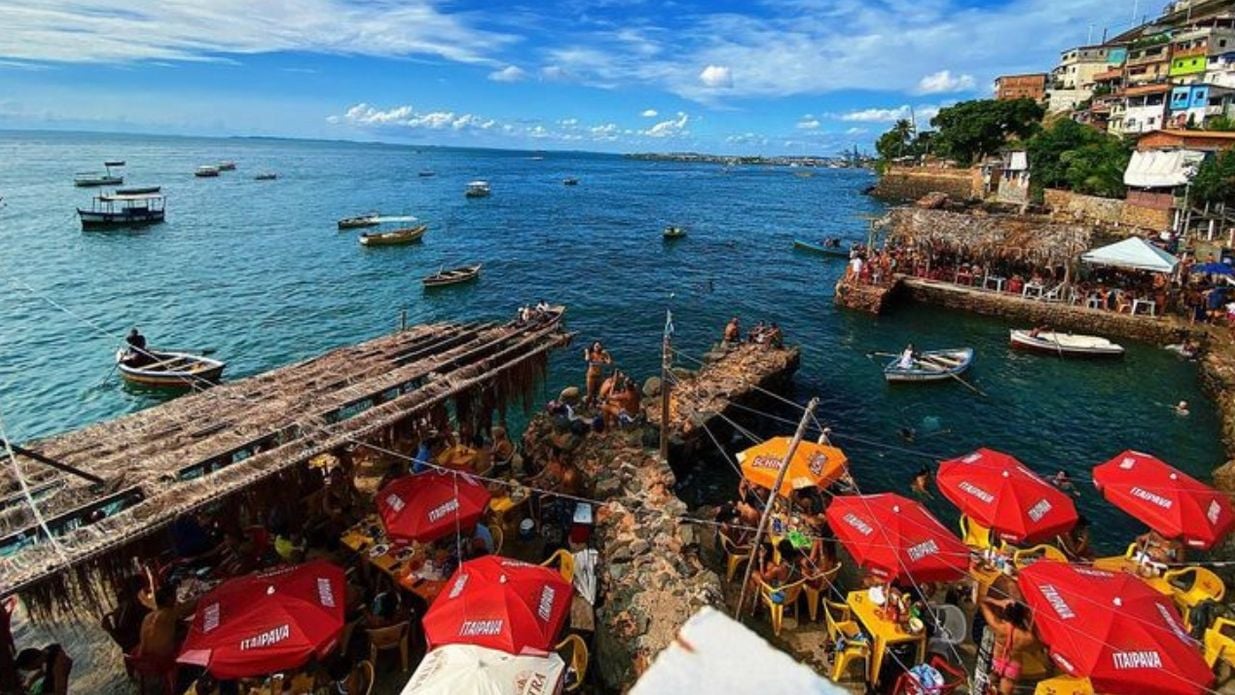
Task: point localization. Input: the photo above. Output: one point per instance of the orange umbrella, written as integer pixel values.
(812, 464)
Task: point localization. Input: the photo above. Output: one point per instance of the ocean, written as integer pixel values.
(257, 271)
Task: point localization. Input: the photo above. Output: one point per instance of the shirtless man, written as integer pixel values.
(624, 401)
(1010, 622)
(733, 331)
(158, 634)
(920, 482)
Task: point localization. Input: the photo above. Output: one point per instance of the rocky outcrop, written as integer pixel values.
(871, 299)
(651, 578)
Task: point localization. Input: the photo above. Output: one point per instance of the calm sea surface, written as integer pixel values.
(257, 271)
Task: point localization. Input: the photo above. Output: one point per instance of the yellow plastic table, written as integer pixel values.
(1123, 563)
(883, 632)
(1064, 685)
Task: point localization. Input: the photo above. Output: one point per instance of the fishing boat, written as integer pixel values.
(1065, 344)
(672, 232)
(394, 237)
(453, 276)
(369, 219)
(206, 171)
(477, 189)
(114, 163)
(266, 176)
(931, 365)
(570, 181)
(134, 207)
(833, 251)
(425, 173)
(227, 166)
(88, 179)
(169, 369)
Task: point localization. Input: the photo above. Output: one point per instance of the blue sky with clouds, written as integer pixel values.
(793, 76)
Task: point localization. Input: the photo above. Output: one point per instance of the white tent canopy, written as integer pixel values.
(1163, 169)
(1133, 253)
(466, 668)
(714, 654)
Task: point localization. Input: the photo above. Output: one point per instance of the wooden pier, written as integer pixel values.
(254, 434)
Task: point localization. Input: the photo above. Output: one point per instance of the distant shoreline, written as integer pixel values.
(834, 162)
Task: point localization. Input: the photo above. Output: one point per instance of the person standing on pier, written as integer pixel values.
(596, 357)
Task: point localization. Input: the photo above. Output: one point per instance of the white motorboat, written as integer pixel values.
(1065, 344)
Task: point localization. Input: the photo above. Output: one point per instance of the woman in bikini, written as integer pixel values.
(1009, 620)
(596, 357)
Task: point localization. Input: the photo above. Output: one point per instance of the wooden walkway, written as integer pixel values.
(178, 456)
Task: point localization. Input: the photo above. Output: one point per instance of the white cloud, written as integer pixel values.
(747, 139)
(510, 73)
(890, 115)
(670, 128)
(363, 115)
(109, 31)
(716, 76)
(944, 82)
(569, 122)
(553, 73)
(650, 113)
(856, 131)
(808, 123)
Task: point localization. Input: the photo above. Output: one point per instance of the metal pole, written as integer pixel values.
(50, 462)
(666, 364)
(403, 320)
(775, 492)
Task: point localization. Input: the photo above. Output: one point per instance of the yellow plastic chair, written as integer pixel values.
(813, 594)
(1219, 645)
(734, 556)
(390, 638)
(1192, 585)
(1064, 685)
(974, 534)
(841, 624)
(1025, 557)
(565, 563)
(789, 594)
(573, 651)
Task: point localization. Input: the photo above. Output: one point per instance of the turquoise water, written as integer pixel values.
(257, 271)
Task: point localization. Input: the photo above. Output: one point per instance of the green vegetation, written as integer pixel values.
(970, 130)
(1220, 123)
(1080, 158)
(902, 141)
(1215, 180)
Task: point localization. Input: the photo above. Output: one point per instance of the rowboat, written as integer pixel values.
(206, 171)
(931, 365)
(369, 219)
(167, 369)
(453, 276)
(87, 179)
(394, 237)
(1065, 344)
(134, 207)
(227, 166)
(570, 181)
(672, 232)
(425, 173)
(266, 176)
(114, 163)
(834, 251)
(477, 189)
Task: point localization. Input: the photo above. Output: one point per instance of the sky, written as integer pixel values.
(770, 77)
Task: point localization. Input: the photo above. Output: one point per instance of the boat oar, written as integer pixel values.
(203, 352)
(967, 385)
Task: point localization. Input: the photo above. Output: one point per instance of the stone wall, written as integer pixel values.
(1158, 331)
(1147, 210)
(871, 299)
(1088, 208)
(911, 183)
(650, 578)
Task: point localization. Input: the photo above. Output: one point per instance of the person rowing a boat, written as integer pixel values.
(135, 355)
(908, 356)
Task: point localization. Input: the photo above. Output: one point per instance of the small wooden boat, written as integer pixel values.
(570, 181)
(206, 171)
(425, 173)
(672, 232)
(1065, 344)
(167, 369)
(136, 208)
(477, 189)
(266, 176)
(138, 190)
(227, 166)
(114, 163)
(931, 365)
(833, 251)
(90, 179)
(369, 219)
(394, 237)
(453, 276)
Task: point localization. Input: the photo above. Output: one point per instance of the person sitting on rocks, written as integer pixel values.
(623, 405)
(733, 331)
(756, 334)
(775, 338)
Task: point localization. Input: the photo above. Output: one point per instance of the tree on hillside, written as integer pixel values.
(1215, 180)
(970, 130)
(897, 142)
(1077, 157)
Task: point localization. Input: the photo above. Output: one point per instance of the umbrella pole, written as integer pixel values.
(774, 493)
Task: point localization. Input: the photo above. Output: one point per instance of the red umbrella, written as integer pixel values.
(431, 505)
(1112, 628)
(267, 622)
(502, 604)
(1169, 501)
(896, 538)
(1000, 493)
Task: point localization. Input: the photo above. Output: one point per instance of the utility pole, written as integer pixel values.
(772, 495)
(666, 364)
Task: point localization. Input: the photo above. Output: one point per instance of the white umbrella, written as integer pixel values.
(456, 669)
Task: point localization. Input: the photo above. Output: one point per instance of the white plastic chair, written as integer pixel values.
(951, 629)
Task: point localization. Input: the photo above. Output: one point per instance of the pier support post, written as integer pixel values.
(772, 495)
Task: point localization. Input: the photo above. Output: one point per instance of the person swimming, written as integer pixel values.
(920, 482)
(1181, 408)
